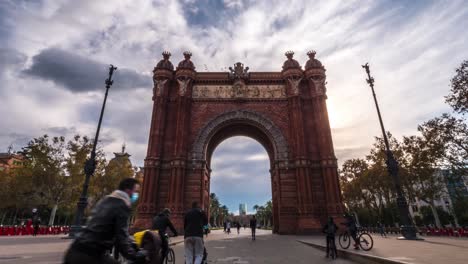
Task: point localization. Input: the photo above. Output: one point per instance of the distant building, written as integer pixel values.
(242, 209)
(10, 161)
(452, 187)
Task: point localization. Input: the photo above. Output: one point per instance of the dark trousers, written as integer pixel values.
(74, 256)
(164, 247)
(36, 229)
(353, 234)
(382, 232)
(253, 232)
(331, 241)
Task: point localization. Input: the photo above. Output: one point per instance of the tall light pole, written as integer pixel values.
(407, 228)
(90, 164)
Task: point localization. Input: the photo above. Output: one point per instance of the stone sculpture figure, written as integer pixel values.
(294, 82)
(160, 86)
(319, 84)
(183, 83)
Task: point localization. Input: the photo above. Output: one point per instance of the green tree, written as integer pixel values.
(458, 96)
(451, 134)
(42, 178)
(424, 180)
(107, 179)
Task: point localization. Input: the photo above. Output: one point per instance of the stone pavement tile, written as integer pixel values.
(268, 248)
(434, 250)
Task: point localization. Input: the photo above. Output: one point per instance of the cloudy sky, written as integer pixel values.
(54, 56)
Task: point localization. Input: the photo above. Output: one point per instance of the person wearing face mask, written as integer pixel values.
(108, 226)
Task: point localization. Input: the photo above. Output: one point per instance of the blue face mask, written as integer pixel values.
(134, 197)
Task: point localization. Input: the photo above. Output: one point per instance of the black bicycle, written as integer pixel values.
(364, 240)
(170, 256)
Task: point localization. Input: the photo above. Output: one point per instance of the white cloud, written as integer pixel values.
(413, 49)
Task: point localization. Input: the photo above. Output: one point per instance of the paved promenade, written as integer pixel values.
(222, 248)
(432, 250)
(268, 248)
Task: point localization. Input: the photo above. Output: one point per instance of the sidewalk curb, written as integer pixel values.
(358, 257)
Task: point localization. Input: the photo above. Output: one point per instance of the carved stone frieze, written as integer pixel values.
(239, 91)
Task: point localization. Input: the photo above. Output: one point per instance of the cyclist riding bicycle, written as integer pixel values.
(352, 228)
(161, 222)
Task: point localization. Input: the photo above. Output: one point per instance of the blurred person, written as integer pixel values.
(107, 225)
(253, 226)
(161, 222)
(194, 221)
(330, 229)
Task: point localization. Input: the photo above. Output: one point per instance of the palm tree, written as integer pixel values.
(255, 207)
(269, 212)
(214, 208)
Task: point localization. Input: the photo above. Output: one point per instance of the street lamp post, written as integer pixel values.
(90, 164)
(407, 228)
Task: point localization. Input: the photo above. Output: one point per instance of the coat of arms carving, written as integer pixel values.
(239, 72)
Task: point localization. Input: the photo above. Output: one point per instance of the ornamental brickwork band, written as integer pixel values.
(239, 91)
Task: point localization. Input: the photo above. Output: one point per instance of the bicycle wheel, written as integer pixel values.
(170, 258)
(344, 240)
(365, 241)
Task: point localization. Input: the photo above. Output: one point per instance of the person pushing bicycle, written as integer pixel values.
(161, 222)
(352, 228)
(330, 229)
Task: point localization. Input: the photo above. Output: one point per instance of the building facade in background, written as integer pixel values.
(453, 187)
(242, 209)
(9, 161)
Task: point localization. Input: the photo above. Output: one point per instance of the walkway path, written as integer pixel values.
(267, 248)
(436, 250)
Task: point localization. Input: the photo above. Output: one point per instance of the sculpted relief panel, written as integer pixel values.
(239, 91)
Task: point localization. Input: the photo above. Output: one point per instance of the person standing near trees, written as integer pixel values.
(36, 221)
(253, 226)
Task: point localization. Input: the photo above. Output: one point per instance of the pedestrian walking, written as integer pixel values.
(330, 229)
(228, 227)
(194, 221)
(107, 225)
(225, 226)
(381, 228)
(253, 226)
(238, 228)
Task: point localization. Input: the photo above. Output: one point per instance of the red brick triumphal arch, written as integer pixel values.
(284, 111)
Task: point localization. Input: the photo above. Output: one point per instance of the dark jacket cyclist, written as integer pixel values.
(161, 222)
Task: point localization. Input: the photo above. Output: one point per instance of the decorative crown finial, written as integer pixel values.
(166, 54)
(311, 53)
(289, 53)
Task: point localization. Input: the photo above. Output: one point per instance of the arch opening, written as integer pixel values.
(240, 179)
